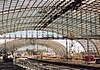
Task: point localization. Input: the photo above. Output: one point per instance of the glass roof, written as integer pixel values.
(78, 17)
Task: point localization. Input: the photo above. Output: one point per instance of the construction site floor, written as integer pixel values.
(10, 66)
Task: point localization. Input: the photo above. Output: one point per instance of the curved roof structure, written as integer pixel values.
(90, 46)
(70, 18)
(80, 17)
(97, 43)
(58, 48)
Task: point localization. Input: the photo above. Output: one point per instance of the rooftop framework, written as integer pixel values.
(78, 19)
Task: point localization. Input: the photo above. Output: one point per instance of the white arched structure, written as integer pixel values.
(58, 48)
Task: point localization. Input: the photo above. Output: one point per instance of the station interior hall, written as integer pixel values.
(49, 34)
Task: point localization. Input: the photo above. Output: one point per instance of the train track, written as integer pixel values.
(37, 64)
(75, 66)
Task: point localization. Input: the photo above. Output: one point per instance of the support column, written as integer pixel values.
(66, 49)
(5, 50)
(88, 46)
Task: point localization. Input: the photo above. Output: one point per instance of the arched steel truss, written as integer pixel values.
(80, 17)
(56, 47)
(91, 46)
